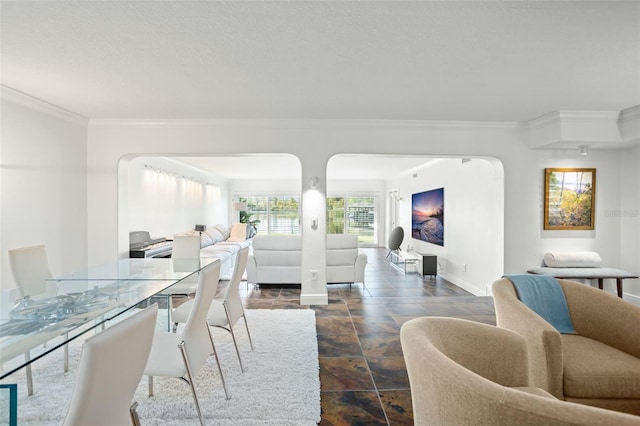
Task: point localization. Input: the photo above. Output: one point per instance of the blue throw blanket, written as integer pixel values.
(545, 297)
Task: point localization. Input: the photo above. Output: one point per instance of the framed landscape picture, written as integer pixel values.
(427, 216)
(569, 199)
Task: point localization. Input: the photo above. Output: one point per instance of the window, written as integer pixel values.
(353, 215)
(272, 214)
(335, 215)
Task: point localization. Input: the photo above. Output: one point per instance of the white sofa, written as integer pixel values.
(345, 262)
(224, 243)
(277, 259)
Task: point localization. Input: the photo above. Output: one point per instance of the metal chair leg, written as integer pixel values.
(233, 336)
(27, 358)
(215, 353)
(183, 351)
(246, 325)
(150, 386)
(135, 419)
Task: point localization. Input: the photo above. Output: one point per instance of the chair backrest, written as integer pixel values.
(30, 269)
(110, 369)
(463, 372)
(232, 293)
(196, 330)
(342, 249)
(186, 246)
(277, 250)
(395, 238)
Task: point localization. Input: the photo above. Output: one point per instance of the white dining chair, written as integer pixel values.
(110, 369)
(224, 313)
(185, 247)
(30, 271)
(183, 354)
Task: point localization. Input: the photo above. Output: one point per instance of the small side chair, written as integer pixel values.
(182, 355)
(224, 313)
(110, 369)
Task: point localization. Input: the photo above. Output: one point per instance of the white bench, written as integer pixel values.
(580, 265)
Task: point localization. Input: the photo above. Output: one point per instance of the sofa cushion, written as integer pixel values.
(223, 230)
(215, 235)
(595, 370)
(205, 240)
(342, 249)
(238, 232)
(277, 242)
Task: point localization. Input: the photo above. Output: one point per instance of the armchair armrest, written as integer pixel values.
(361, 262)
(544, 343)
(591, 310)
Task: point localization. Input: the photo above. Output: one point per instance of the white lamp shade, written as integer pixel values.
(239, 206)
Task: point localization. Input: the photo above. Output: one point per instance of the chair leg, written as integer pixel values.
(66, 353)
(27, 358)
(246, 325)
(183, 351)
(135, 419)
(233, 336)
(215, 353)
(150, 386)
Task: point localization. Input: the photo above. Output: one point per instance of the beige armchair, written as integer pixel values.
(467, 373)
(599, 365)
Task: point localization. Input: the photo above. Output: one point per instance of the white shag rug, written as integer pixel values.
(280, 387)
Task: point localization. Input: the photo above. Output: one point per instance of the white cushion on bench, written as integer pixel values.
(577, 259)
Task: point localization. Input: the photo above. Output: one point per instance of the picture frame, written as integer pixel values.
(569, 198)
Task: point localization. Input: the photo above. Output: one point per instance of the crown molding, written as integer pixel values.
(629, 123)
(15, 96)
(304, 123)
(571, 129)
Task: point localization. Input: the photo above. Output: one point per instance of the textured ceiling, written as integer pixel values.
(455, 60)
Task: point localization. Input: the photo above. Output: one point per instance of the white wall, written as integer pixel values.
(472, 256)
(629, 216)
(43, 183)
(315, 141)
(165, 204)
(44, 198)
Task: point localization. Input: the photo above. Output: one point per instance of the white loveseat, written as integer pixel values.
(345, 262)
(277, 259)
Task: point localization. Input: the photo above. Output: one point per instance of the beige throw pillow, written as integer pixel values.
(238, 232)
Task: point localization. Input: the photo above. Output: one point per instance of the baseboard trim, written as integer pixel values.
(314, 299)
(464, 285)
(636, 299)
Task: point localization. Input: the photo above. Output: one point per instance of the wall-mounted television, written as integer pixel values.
(427, 216)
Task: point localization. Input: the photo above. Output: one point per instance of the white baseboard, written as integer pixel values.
(632, 298)
(314, 299)
(463, 284)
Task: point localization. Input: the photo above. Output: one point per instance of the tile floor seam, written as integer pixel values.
(375, 386)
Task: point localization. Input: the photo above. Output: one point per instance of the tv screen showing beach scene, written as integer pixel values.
(427, 216)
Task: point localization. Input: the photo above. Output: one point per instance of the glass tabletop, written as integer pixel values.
(141, 269)
(82, 302)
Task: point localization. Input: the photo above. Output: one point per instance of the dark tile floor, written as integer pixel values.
(362, 372)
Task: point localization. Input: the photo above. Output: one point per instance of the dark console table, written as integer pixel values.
(427, 263)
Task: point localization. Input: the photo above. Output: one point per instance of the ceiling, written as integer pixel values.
(423, 60)
(499, 61)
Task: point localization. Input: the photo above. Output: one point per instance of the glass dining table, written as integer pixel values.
(32, 327)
